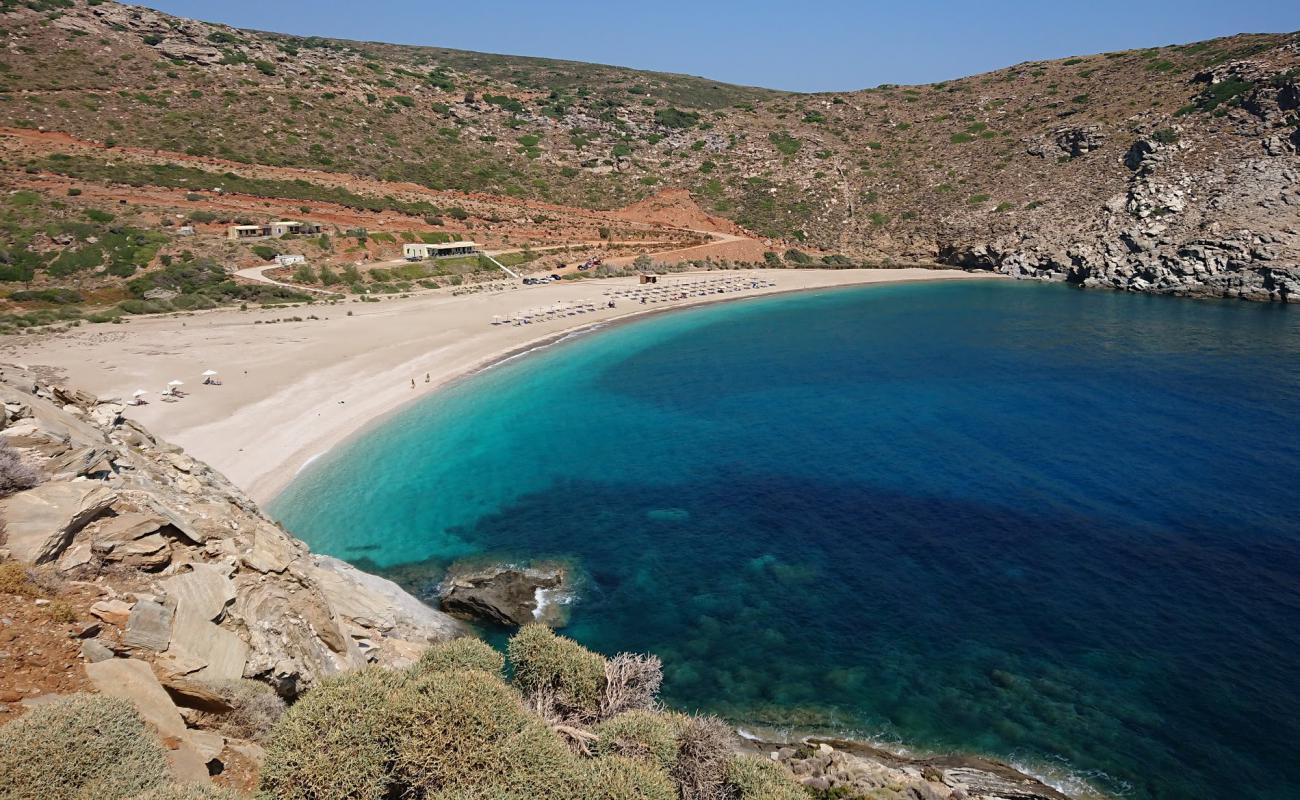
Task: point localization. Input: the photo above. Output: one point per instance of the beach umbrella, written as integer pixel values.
(139, 393)
(207, 373)
(175, 383)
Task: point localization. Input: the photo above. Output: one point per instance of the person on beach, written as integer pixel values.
(412, 383)
(426, 377)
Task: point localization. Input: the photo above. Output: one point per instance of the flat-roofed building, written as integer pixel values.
(419, 251)
(272, 230)
(245, 232)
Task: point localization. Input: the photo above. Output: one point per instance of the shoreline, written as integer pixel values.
(294, 389)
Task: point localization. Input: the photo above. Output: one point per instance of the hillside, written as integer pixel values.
(1168, 169)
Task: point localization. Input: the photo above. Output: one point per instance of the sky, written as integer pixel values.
(797, 45)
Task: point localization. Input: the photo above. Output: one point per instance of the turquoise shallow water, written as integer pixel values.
(1054, 526)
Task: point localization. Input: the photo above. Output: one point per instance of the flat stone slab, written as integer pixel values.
(127, 527)
(41, 522)
(204, 591)
(132, 680)
(149, 626)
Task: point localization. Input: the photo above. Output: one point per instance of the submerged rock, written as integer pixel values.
(503, 595)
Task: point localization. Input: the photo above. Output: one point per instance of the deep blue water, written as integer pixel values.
(1054, 526)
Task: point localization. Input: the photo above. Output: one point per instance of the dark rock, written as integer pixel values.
(502, 595)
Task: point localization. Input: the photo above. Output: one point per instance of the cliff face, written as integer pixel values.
(1209, 212)
(202, 584)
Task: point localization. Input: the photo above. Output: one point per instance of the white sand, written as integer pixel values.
(292, 390)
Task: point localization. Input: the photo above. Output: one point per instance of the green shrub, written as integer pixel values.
(468, 731)
(264, 67)
(676, 118)
(784, 142)
(754, 778)
(81, 747)
(338, 740)
(641, 735)
(794, 256)
(460, 654)
(617, 778)
(557, 668)
(57, 296)
(265, 252)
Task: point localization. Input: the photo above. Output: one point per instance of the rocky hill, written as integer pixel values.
(1171, 169)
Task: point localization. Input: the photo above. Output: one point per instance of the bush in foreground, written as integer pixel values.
(458, 654)
(81, 747)
(557, 673)
(468, 730)
(336, 741)
(639, 735)
(705, 748)
(618, 778)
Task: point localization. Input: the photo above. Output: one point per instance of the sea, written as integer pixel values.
(1056, 527)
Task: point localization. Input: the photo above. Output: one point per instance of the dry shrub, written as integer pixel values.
(753, 778)
(705, 748)
(560, 678)
(255, 708)
(60, 612)
(631, 682)
(618, 778)
(460, 654)
(187, 791)
(15, 475)
(338, 740)
(640, 735)
(81, 747)
(14, 579)
(468, 731)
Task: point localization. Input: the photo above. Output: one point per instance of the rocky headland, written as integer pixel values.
(1192, 219)
(133, 570)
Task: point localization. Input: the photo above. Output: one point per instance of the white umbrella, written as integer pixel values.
(175, 383)
(208, 373)
(139, 393)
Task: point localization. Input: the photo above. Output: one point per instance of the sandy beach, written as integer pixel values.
(292, 390)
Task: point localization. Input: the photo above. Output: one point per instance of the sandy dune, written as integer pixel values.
(292, 390)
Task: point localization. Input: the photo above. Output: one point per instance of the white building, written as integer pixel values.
(289, 260)
(420, 251)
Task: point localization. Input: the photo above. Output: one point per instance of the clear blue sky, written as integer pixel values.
(802, 45)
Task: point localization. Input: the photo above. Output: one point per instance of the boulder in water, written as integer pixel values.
(503, 594)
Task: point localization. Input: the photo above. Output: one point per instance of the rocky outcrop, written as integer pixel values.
(196, 577)
(503, 595)
(839, 768)
(1186, 224)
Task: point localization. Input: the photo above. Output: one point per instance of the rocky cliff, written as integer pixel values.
(201, 581)
(1197, 217)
